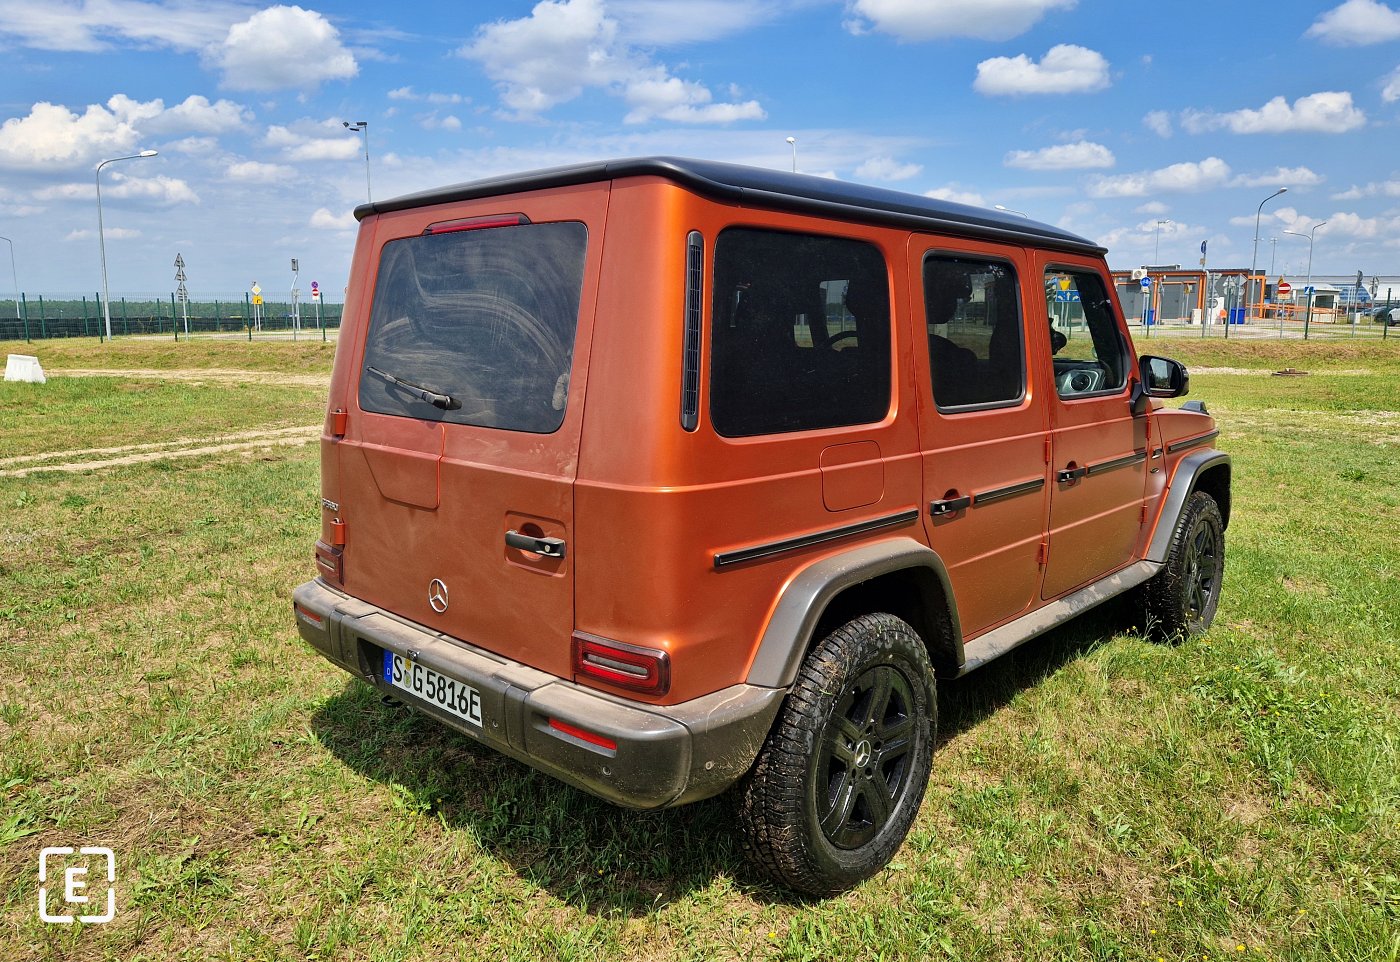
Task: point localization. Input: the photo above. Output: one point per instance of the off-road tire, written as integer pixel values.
(861, 715)
(1181, 598)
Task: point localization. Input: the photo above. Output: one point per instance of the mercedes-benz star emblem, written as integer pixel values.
(437, 595)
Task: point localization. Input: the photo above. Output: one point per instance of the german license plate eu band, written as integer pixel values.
(448, 694)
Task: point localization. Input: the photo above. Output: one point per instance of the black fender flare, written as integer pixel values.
(788, 635)
(1184, 481)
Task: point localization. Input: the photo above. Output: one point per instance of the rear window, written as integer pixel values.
(476, 326)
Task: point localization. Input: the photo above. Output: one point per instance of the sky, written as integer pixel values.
(1146, 128)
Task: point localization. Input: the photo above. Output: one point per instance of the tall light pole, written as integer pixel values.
(1311, 235)
(101, 240)
(14, 274)
(362, 126)
(1157, 241)
(792, 142)
(1254, 262)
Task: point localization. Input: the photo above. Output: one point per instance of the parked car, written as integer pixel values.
(668, 477)
(1387, 314)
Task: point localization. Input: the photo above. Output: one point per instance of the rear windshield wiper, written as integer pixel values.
(436, 398)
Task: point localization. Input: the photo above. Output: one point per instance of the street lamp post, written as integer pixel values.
(1311, 235)
(15, 275)
(101, 240)
(362, 126)
(1157, 241)
(1254, 262)
(792, 142)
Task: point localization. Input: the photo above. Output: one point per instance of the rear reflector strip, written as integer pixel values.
(309, 616)
(477, 223)
(582, 735)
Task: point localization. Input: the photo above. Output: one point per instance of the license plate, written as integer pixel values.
(448, 694)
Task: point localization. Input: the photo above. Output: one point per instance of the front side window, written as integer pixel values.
(800, 333)
(476, 326)
(1090, 357)
(975, 342)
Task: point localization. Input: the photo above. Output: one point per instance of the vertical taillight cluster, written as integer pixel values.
(645, 670)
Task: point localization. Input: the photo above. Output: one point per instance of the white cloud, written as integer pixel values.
(1357, 23)
(1159, 122)
(656, 23)
(887, 168)
(1188, 177)
(93, 25)
(282, 48)
(159, 190)
(1077, 156)
(108, 233)
(1388, 188)
(312, 140)
(957, 195)
(257, 172)
(323, 219)
(1291, 177)
(925, 20)
(433, 122)
(408, 93)
(1065, 68)
(195, 114)
(1151, 207)
(1327, 112)
(1391, 91)
(51, 136)
(567, 46)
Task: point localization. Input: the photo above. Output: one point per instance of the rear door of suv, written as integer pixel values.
(456, 469)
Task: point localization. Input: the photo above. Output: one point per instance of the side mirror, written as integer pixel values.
(1163, 377)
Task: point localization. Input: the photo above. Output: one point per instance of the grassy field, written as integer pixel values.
(1094, 795)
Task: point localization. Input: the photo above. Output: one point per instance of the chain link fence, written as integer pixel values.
(44, 316)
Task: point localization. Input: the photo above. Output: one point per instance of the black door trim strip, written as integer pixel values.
(725, 559)
(1136, 458)
(1185, 443)
(980, 498)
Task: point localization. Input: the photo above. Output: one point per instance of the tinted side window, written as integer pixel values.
(800, 333)
(1090, 357)
(975, 341)
(486, 317)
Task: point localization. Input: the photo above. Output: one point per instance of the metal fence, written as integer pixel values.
(44, 316)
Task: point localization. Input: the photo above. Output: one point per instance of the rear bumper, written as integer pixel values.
(665, 755)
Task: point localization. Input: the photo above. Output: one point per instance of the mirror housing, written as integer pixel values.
(1163, 377)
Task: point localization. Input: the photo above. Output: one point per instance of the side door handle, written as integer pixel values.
(545, 547)
(1067, 475)
(948, 506)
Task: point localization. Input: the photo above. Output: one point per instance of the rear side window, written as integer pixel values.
(476, 326)
(800, 333)
(975, 346)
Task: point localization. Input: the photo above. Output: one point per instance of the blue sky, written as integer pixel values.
(1102, 117)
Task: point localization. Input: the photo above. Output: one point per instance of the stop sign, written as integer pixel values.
(1284, 288)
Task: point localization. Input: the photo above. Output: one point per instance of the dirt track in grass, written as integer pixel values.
(92, 459)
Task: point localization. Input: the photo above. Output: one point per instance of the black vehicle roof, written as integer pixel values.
(772, 189)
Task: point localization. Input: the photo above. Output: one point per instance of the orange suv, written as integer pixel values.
(664, 475)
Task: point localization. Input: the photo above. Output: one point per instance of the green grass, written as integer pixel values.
(1094, 796)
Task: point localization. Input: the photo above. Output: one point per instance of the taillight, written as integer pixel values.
(330, 561)
(646, 670)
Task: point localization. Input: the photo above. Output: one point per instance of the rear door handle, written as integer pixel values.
(545, 547)
(949, 505)
(1072, 474)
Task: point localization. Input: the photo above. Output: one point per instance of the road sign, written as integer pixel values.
(257, 299)
(1146, 283)
(256, 290)
(1284, 288)
(180, 261)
